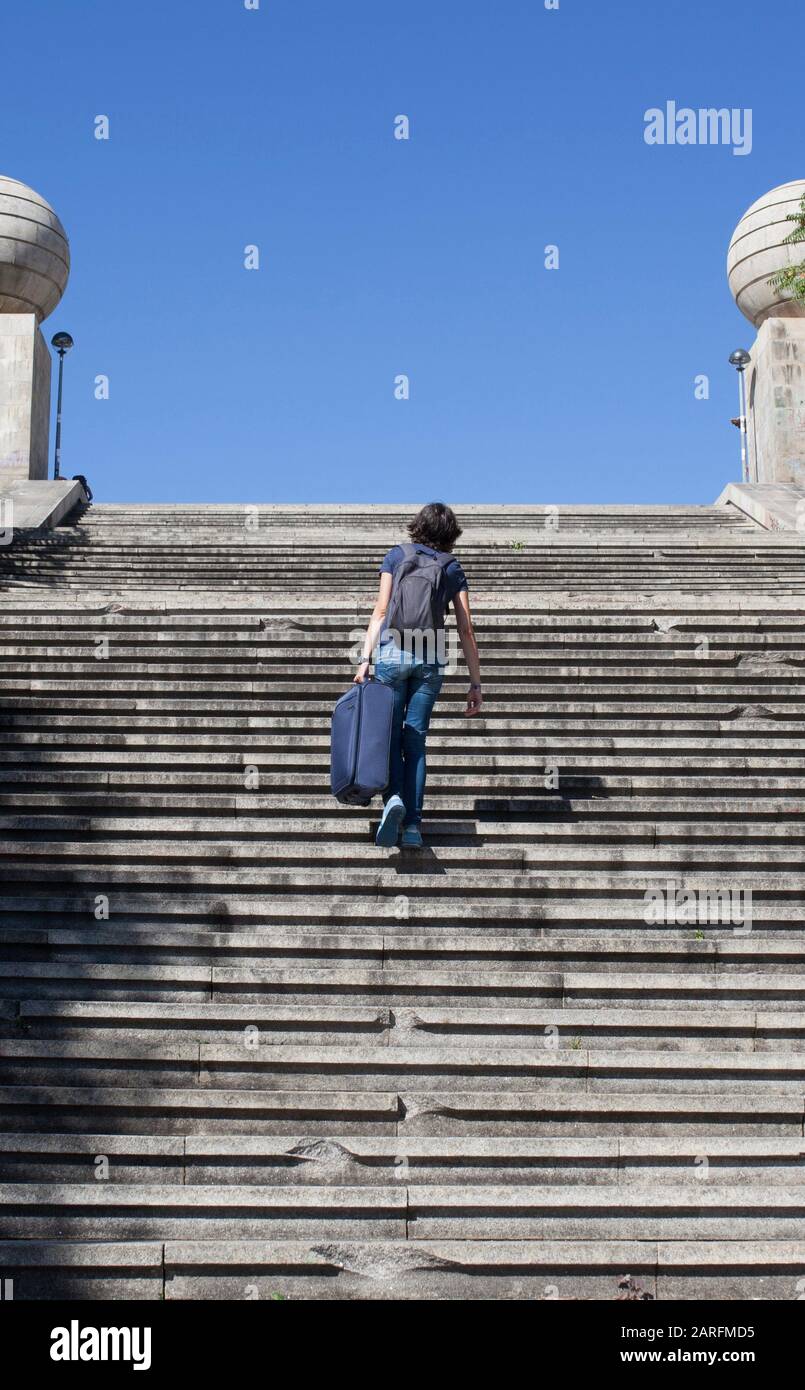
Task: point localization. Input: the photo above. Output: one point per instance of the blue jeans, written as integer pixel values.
(416, 685)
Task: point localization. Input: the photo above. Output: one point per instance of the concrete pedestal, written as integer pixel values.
(24, 399)
(776, 403)
(27, 505)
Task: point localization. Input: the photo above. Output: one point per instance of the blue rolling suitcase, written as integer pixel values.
(360, 743)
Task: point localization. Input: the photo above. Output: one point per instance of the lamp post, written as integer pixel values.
(740, 359)
(62, 343)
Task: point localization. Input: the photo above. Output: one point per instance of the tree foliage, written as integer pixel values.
(792, 278)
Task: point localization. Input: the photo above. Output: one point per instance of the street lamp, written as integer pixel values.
(740, 359)
(62, 343)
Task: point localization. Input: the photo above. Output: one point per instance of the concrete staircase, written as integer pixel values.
(242, 1051)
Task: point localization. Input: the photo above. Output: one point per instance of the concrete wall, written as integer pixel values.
(40, 410)
(24, 399)
(776, 388)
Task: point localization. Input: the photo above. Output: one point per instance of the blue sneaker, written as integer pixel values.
(389, 827)
(411, 838)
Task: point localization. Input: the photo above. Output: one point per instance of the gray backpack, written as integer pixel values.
(418, 599)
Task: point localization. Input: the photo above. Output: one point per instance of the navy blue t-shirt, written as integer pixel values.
(454, 577)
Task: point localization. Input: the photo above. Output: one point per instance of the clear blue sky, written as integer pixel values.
(380, 257)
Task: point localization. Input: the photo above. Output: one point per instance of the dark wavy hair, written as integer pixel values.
(435, 526)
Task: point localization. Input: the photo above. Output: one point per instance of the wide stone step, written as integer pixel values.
(402, 1270)
(236, 550)
(328, 650)
(18, 855)
(505, 694)
(649, 710)
(676, 570)
(466, 768)
(351, 1160)
(500, 615)
(506, 672)
(154, 638)
(537, 905)
(467, 811)
(537, 982)
(678, 1030)
(24, 722)
(144, 566)
(283, 748)
(356, 827)
(418, 873)
(705, 1211)
(628, 601)
(735, 582)
(698, 641)
(481, 794)
(547, 1112)
(322, 655)
(476, 1066)
(758, 953)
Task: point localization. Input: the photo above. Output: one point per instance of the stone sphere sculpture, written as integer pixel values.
(34, 252)
(757, 253)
